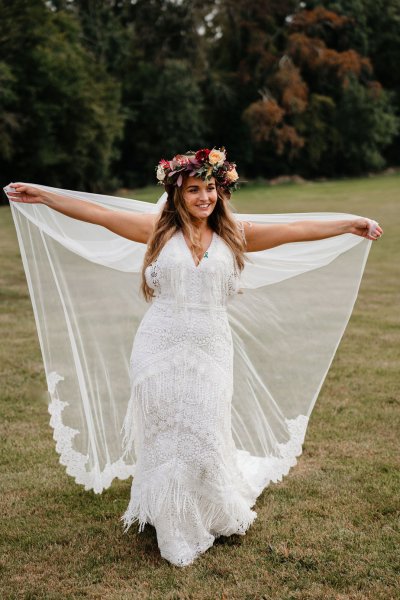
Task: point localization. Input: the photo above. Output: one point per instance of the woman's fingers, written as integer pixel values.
(20, 188)
(12, 190)
(14, 186)
(11, 193)
(368, 228)
(19, 192)
(375, 235)
(16, 197)
(374, 230)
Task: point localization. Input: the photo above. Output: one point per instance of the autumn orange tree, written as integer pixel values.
(375, 33)
(321, 109)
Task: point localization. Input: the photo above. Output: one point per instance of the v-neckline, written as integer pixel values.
(188, 249)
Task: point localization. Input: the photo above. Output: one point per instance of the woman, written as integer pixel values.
(191, 482)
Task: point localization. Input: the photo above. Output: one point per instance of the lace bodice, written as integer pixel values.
(174, 277)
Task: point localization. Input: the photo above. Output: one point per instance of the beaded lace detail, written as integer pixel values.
(191, 482)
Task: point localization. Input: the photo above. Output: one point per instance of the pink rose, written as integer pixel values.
(181, 160)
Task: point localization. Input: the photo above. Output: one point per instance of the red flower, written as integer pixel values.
(202, 155)
(164, 163)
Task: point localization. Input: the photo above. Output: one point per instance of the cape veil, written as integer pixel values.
(84, 284)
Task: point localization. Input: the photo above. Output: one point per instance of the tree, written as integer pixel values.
(366, 124)
(244, 53)
(168, 117)
(361, 114)
(93, 93)
(375, 33)
(305, 115)
(65, 104)
(9, 124)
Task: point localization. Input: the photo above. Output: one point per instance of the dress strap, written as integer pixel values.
(241, 228)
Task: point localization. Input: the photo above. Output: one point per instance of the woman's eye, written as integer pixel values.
(196, 191)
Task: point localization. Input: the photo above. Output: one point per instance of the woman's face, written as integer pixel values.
(200, 196)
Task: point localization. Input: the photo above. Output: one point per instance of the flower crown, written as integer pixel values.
(204, 163)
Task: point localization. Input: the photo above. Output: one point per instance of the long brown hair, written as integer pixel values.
(175, 216)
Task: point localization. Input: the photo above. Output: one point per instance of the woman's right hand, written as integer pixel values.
(19, 192)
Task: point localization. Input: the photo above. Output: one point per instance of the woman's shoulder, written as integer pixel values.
(244, 226)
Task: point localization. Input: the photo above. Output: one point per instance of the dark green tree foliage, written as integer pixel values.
(60, 106)
(9, 123)
(167, 117)
(94, 92)
(161, 78)
(151, 47)
(366, 124)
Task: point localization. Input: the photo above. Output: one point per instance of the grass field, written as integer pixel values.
(328, 531)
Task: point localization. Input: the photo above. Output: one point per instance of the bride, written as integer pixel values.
(192, 480)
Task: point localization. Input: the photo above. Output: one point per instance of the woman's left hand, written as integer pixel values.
(366, 228)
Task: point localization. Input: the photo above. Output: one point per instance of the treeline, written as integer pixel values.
(93, 93)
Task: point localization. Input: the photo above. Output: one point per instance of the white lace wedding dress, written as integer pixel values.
(215, 399)
(188, 481)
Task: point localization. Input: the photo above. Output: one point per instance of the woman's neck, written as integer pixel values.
(201, 226)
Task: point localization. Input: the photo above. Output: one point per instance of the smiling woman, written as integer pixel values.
(211, 402)
(199, 208)
(200, 198)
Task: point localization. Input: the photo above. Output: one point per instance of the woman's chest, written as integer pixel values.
(175, 274)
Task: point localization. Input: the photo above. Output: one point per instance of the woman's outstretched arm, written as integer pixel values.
(260, 236)
(133, 226)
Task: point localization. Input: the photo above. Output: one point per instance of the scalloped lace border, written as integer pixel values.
(74, 461)
(259, 470)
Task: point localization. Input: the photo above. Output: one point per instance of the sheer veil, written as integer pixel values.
(287, 322)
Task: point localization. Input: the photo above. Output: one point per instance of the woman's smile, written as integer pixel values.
(200, 196)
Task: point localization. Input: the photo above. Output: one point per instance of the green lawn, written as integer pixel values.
(330, 530)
